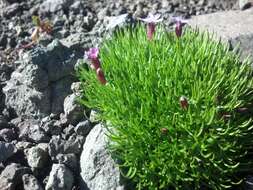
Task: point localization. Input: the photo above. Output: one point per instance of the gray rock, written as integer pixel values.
(245, 4)
(70, 160)
(8, 135)
(50, 127)
(21, 145)
(57, 145)
(30, 130)
(37, 157)
(98, 170)
(83, 128)
(11, 176)
(30, 182)
(6, 150)
(232, 27)
(68, 131)
(41, 82)
(94, 116)
(52, 6)
(60, 178)
(72, 109)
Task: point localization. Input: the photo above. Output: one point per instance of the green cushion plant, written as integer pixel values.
(178, 106)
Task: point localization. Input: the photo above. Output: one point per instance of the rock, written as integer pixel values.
(52, 6)
(3, 122)
(60, 178)
(70, 160)
(6, 150)
(8, 135)
(248, 183)
(98, 170)
(68, 131)
(12, 10)
(83, 128)
(31, 131)
(21, 145)
(59, 146)
(11, 176)
(232, 27)
(245, 4)
(37, 157)
(94, 116)
(50, 126)
(41, 82)
(30, 182)
(72, 109)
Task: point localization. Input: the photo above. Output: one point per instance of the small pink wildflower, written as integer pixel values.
(92, 55)
(179, 25)
(151, 21)
(183, 102)
(101, 76)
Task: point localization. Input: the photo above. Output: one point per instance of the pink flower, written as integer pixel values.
(183, 102)
(101, 76)
(151, 21)
(179, 25)
(92, 55)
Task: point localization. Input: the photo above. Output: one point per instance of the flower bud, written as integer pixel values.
(183, 102)
(101, 76)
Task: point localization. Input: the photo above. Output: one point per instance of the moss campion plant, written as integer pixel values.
(178, 108)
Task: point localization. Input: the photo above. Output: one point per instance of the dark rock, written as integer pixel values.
(11, 177)
(3, 40)
(59, 146)
(3, 122)
(31, 131)
(68, 131)
(83, 128)
(245, 4)
(30, 182)
(70, 160)
(6, 150)
(8, 135)
(49, 126)
(60, 178)
(12, 10)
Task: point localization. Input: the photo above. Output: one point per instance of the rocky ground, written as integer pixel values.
(42, 128)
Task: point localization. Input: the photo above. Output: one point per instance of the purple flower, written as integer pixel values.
(92, 55)
(179, 25)
(151, 21)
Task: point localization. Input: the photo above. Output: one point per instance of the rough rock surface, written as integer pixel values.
(232, 26)
(11, 176)
(98, 170)
(60, 178)
(6, 150)
(30, 182)
(41, 82)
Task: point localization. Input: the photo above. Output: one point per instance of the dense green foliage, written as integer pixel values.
(158, 144)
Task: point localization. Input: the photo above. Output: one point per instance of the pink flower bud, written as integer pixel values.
(179, 25)
(183, 102)
(92, 55)
(101, 76)
(151, 21)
